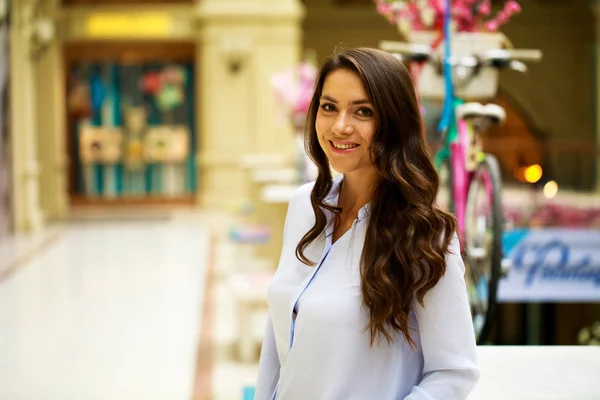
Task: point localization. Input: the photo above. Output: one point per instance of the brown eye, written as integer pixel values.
(327, 107)
(365, 112)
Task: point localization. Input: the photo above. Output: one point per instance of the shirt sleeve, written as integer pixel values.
(450, 369)
(268, 367)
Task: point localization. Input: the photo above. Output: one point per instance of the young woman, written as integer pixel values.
(369, 300)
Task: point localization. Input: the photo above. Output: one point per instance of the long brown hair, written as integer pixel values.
(407, 235)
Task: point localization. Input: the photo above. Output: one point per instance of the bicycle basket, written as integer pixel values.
(482, 86)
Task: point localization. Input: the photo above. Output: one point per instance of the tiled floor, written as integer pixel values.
(108, 310)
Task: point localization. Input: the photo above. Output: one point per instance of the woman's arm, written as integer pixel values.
(447, 336)
(268, 367)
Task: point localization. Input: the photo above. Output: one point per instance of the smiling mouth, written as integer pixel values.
(339, 146)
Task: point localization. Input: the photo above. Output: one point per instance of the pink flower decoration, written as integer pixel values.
(484, 8)
(285, 87)
(466, 15)
(294, 88)
(512, 7)
(384, 9)
(492, 25)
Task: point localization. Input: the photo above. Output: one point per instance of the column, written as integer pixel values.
(240, 45)
(26, 169)
(51, 129)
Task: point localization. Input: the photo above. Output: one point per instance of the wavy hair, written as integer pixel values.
(407, 235)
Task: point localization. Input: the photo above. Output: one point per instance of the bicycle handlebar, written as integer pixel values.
(531, 55)
(495, 58)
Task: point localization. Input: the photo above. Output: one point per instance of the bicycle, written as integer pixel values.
(469, 177)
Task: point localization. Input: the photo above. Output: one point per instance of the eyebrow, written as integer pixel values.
(331, 99)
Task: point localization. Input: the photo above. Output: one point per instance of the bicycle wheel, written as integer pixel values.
(483, 244)
(445, 198)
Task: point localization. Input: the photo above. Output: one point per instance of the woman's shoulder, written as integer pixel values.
(300, 211)
(301, 196)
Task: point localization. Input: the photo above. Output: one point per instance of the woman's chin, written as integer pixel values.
(342, 168)
(352, 168)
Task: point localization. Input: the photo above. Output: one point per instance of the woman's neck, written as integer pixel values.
(357, 190)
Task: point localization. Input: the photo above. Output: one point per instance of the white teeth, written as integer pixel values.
(344, 146)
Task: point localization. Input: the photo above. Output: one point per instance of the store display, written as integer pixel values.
(151, 106)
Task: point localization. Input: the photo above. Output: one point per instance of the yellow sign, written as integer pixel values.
(130, 25)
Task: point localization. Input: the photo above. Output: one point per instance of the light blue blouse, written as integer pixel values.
(325, 353)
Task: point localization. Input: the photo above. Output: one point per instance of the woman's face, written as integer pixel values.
(345, 122)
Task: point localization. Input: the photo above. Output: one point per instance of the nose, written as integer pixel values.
(342, 124)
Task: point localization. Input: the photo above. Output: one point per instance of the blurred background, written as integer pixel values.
(148, 150)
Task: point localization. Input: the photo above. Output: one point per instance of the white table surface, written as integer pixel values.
(538, 373)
